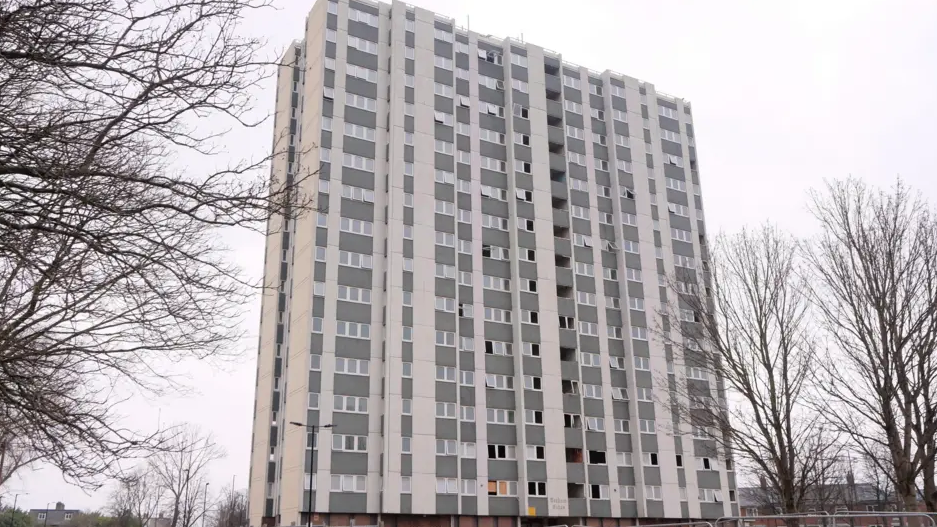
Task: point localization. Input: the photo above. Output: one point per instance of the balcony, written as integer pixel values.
(554, 86)
(556, 136)
(560, 217)
(557, 163)
(554, 113)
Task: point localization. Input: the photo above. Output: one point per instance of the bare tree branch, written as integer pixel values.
(111, 264)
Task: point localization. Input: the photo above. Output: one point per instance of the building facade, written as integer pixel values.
(476, 306)
(53, 517)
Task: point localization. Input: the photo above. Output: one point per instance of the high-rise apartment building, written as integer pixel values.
(476, 307)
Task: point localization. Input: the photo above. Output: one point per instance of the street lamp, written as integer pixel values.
(13, 510)
(204, 502)
(312, 466)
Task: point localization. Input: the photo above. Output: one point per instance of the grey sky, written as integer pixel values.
(784, 94)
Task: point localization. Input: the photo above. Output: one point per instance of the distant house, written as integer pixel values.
(159, 521)
(871, 503)
(53, 517)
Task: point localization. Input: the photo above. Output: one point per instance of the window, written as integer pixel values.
(597, 114)
(499, 416)
(595, 424)
(406, 406)
(444, 147)
(710, 495)
(409, 53)
(362, 45)
(447, 486)
(519, 60)
(642, 363)
(535, 452)
(366, 18)
(445, 410)
(645, 394)
(667, 112)
(491, 136)
(467, 413)
(349, 443)
(531, 349)
(530, 317)
(533, 383)
(349, 403)
(626, 492)
(445, 373)
(442, 62)
(622, 427)
(590, 359)
(353, 330)
(525, 224)
(497, 315)
(521, 111)
(638, 333)
(696, 373)
(445, 338)
(445, 207)
(647, 426)
(676, 184)
(405, 485)
(519, 85)
(490, 163)
(589, 329)
(502, 452)
(445, 239)
(576, 133)
(653, 492)
(499, 382)
(668, 135)
(704, 463)
(361, 72)
(409, 25)
(351, 366)
(592, 391)
(468, 487)
(598, 492)
(446, 447)
(360, 132)
(585, 298)
(493, 109)
(496, 253)
(572, 82)
(609, 274)
(585, 269)
(360, 102)
(445, 36)
(444, 118)
(497, 283)
(571, 106)
(619, 115)
(678, 210)
(536, 488)
(353, 226)
(502, 488)
(576, 158)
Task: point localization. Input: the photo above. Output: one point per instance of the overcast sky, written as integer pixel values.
(784, 94)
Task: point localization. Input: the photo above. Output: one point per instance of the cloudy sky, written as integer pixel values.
(784, 93)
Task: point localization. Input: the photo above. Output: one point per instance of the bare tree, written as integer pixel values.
(747, 327)
(137, 496)
(181, 470)
(231, 509)
(875, 287)
(110, 261)
(15, 454)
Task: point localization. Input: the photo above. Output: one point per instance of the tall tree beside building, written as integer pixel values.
(752, 333)
(875, 289)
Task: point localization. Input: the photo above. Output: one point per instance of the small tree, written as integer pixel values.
(231, 509)
(10, 517)
(182, 471)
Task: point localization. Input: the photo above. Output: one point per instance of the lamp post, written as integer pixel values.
(13, 510)
(204, 503)
(312, 466)
(45, 521)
